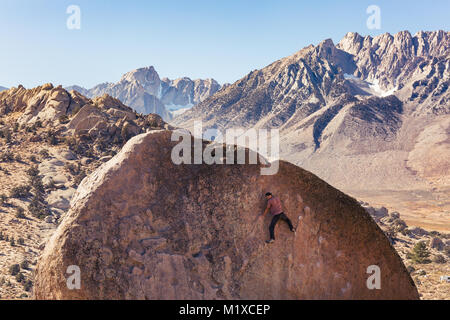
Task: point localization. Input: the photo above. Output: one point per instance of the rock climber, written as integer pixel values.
(275, 208)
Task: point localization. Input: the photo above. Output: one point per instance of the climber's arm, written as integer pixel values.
(266, 210)
(264, 213)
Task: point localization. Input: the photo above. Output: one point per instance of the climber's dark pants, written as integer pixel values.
(275, 219)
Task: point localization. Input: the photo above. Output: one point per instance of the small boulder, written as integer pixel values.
(417, 231)
(47, 86)
(105, 158)
(381, 212)
(68, 155)
(377, 214)
(395, 215)
(437, 243)
(85, 161)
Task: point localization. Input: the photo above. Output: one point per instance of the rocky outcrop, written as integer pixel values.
(141, 227)
(144, 91)
(74, 115)
(419, 64)
(437, 243)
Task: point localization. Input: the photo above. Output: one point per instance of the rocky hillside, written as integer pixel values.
(425, 253)
(145, 92)
(141, 227)
(369, 115)
(50, 139)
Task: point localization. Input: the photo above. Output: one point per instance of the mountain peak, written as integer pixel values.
(352, 42)
(144, 91)
(327, 43)
(144, 76)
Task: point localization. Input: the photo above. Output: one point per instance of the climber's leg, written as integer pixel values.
(272, 226)
(288, 221)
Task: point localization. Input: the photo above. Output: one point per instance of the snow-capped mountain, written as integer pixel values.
(143, 90)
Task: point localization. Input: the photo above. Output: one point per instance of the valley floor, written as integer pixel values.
(420, 208)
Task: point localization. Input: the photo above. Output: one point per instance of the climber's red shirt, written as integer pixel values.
(274, 204)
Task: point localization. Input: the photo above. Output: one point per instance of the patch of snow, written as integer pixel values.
(350, 76)
(370, 86)
(375, 87)
(313, 99)
(174, 107)
(177, 112)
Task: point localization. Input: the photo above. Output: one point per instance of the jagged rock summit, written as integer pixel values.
(144, 91)
(141, 227)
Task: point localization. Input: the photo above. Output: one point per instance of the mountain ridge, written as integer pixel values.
(143, 90)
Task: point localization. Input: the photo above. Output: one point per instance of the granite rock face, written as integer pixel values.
(141, 227)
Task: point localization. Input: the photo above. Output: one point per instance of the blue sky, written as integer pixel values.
(196, 38)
